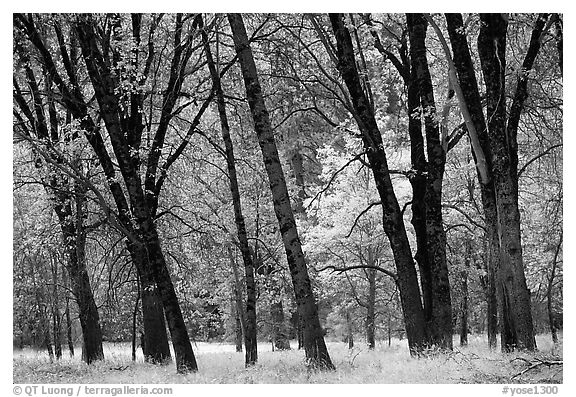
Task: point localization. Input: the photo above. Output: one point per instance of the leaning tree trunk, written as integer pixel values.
(87, 309)
(185, 359)
(250, 325)
(314, 345)
(517, 330)
(393, 222)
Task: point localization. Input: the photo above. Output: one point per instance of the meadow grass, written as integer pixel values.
(219, 363)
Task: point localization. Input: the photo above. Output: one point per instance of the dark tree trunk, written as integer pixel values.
(314, 345)
(469, 85)
(349, 330)
(491, 296)
(464, 286)
(549, 290)
(418, 181)
(56, 318)
(464, 310)
(185, 359)
(87, 309)
(73, 232)
(517, 331)
(250, 326)
(238, 335)
(155, 345)
(440, 327)
(134, 322)
(279, 336)
(300, 332)
(297, 163)
(237, 288)
(393, 222)
(69, 339)
(371, 309)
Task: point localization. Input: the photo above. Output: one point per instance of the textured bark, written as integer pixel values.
(279, 335)
(250, 326)
(418, 182)
(549, 290)
(124, 137)
(393, 222)
(517, 331)
(464, 287)
(440, 326)
(185, 359)
(371, 309)
(155, 342)
(68, 319)
(469, 85)
(56, 318)
(349, 330)
(237, 324)
(314, 345)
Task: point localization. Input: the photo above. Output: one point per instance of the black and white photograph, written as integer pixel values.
(287, 198)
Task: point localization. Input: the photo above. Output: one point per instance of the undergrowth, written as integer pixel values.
(219, 363)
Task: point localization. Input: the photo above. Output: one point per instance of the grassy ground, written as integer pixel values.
(219, 363)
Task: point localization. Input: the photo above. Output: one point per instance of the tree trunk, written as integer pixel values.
(56, 318)
(237, 324)
(87, 309)
(549, 290)
(464, 286)
(371, 309)
(491, 296)
(440, 327)
(349, 330)
(393, 222)
(67, 315)
(185, 359)
(134, 322)
(250, 325)
(469, 85)
(73, 232)
(279, 335)
(155, 345)
(314, 345)
(517, 331)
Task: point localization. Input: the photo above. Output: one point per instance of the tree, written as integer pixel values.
(314, 345)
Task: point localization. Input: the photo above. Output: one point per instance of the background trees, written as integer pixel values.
(331, 156)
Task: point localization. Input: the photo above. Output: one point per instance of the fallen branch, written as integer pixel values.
(537, 364)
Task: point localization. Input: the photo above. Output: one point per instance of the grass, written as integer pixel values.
(219, 363)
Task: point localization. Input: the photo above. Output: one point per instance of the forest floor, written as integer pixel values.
(219, 363)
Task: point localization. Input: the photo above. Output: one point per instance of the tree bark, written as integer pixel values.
(155, 345)
(469, 85)
(371, 309)
(56, 318)
(393, 222)
(279, 336)
(349, 330)
(517, 331)
(68, 319)
(314, 345)
(250, 326)
(440, 326)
